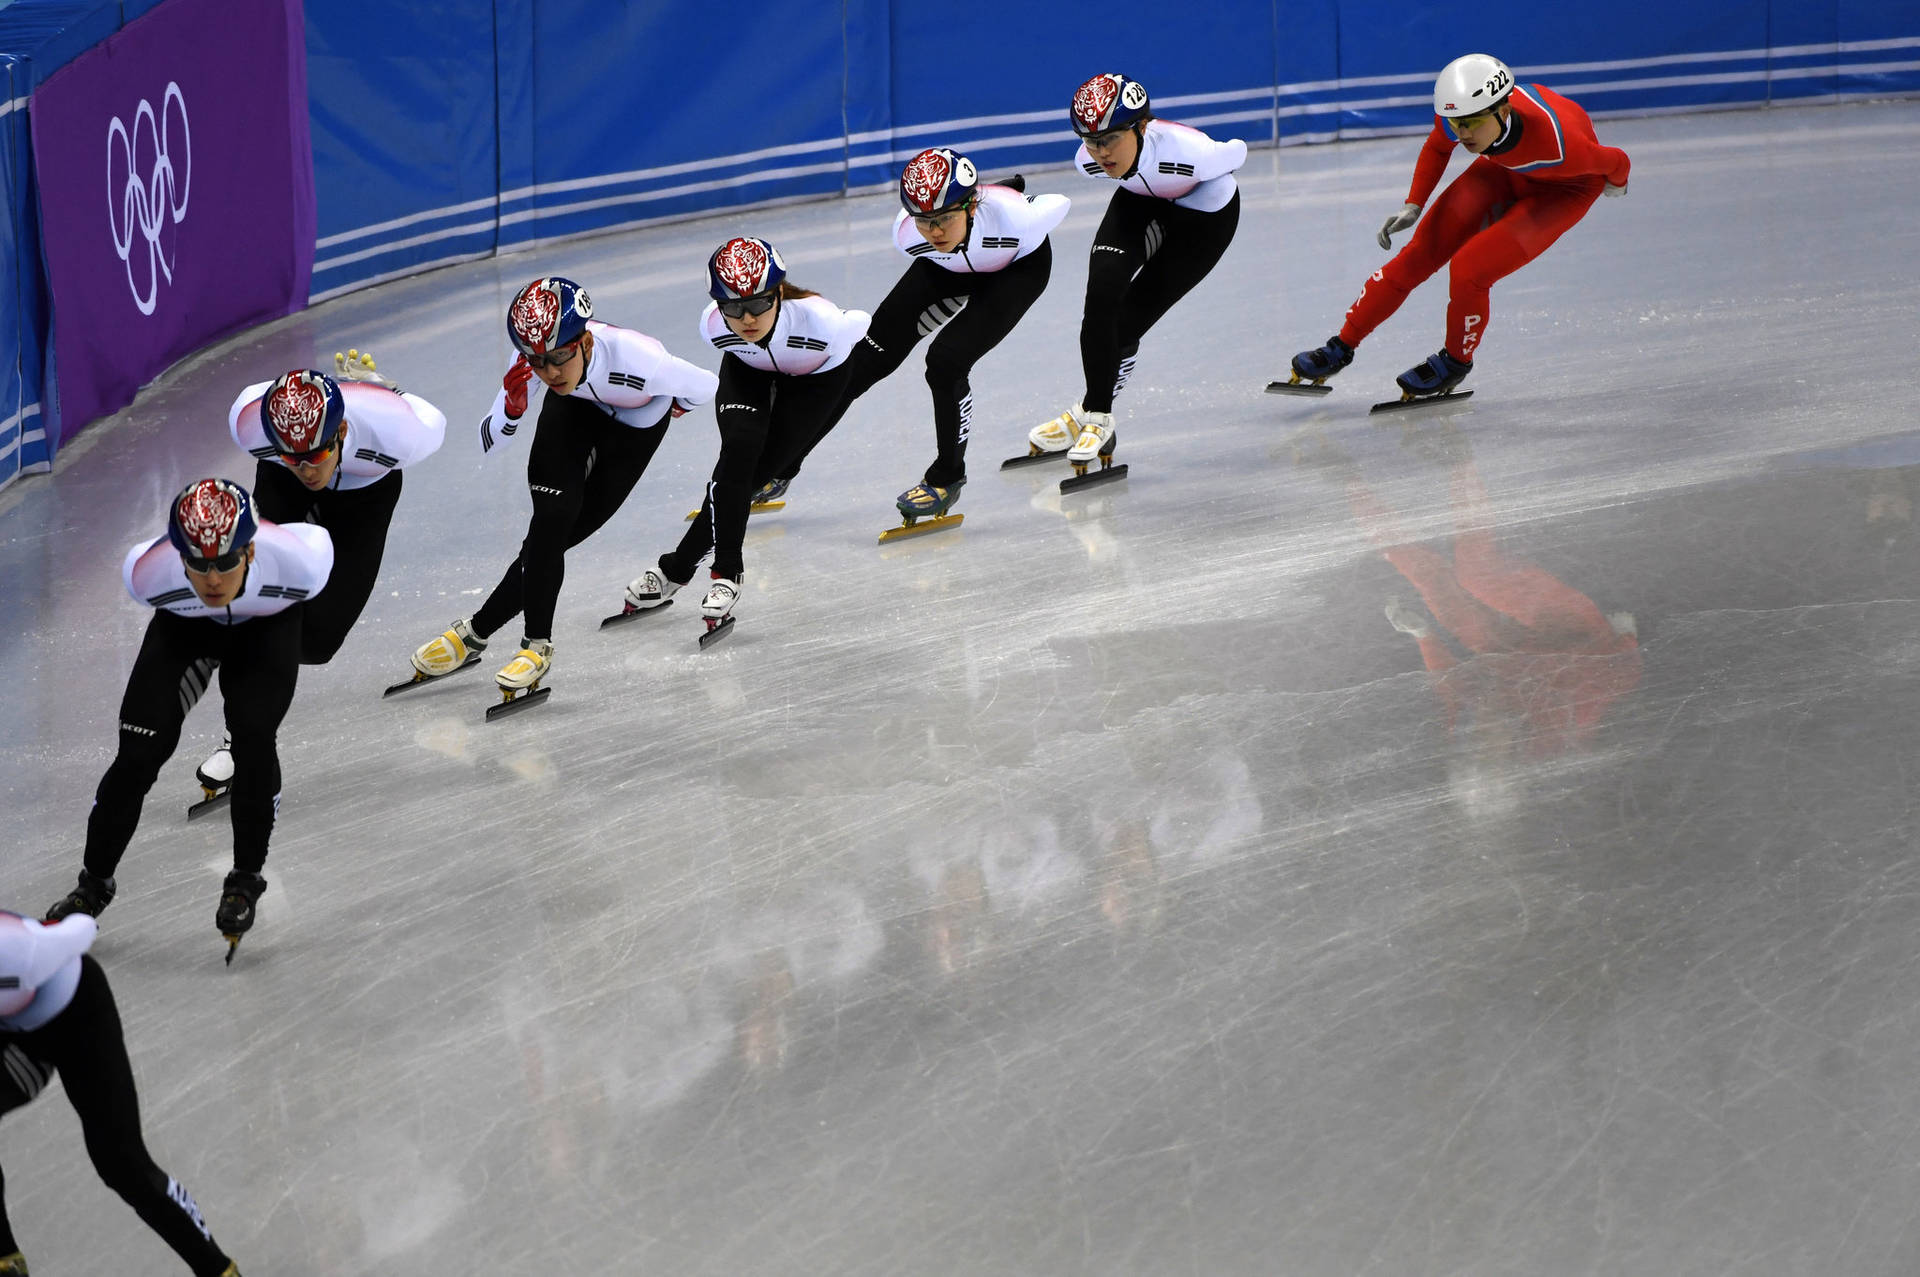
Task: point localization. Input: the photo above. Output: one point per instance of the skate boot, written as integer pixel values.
(234, 918)
(357, 365)
(1057, 435)
(455, 649)
(650, 589)
(216, 773)
(717, 608)
(528, 666)
(772, 490)
(1437, 376)
(90, 897)
(1316, 366)
(929, 502)
(14, 1265)
(519, 679)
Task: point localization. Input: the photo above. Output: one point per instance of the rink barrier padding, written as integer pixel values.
(450, 130)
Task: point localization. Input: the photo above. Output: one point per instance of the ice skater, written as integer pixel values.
(1538, 168)
(225, 590)
(981, 258)
(334, 454)
(1166, 227)
(783, 374)
(57, 1016)
(604, 396)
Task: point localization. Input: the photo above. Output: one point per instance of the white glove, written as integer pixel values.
(1615, 190)
(1407, 216)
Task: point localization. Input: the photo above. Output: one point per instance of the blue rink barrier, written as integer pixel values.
(670, 111)
(446, 130)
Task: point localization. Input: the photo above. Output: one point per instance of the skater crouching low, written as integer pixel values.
(603, 396)
(783, 376)
(1167, 226)
(224, 588)
(57, 1015)
(1538, 168)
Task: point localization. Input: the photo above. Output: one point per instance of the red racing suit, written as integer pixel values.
(1511, 203)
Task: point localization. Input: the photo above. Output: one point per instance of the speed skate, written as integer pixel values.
(1410, 400)
(421, 680)
(1295, 385)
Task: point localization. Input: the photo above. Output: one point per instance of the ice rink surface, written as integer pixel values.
(1106, 886)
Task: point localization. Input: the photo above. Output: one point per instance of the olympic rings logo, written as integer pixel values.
(146, 206)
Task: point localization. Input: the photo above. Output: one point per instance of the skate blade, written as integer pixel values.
(233, 945)
(421, 680)
(716, 632)
(213, 802)
(1419, 401)
(1088, 480)
(914, 529)
(635, 613)
(1298, 388)
(1033, 459)
(523, 700)
(758, 507)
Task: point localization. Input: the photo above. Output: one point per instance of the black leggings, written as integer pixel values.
(84, 1044)
(585, 461)
(1147, 255)
(973, 313)
(767, 420)
(259, 662)
(356, 519)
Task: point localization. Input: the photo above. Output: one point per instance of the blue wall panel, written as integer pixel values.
(449, 129)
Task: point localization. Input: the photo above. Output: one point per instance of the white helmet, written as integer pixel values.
(1471, 84)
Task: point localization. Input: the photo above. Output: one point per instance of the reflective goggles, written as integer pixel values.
(741, 307)
(1461, 123)
(307, 460)
(225, 563)
(553, 358)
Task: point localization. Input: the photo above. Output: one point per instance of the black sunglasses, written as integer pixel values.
(741, 307)
(225, 563)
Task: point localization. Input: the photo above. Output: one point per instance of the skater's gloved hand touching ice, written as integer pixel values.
(1613, 190)
(1407, 216)
(515, 384)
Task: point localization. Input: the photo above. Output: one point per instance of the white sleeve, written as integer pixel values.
(1217, 159)
(245, 426)
(130, 566)
(34, 952)
(906, 238)
(311, 552)
(426, 435)
(685, 383)
(1040, 214)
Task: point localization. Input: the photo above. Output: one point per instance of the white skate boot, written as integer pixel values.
(453, 650)
(1096, 439)
(650, 589)
(717, 607)
(1057, 435)
(217, 772)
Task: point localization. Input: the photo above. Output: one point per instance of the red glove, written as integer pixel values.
(515, 384)
(679, 409)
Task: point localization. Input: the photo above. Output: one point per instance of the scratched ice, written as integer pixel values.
(1110, 885)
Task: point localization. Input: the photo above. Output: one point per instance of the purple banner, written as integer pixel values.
(176, 192)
